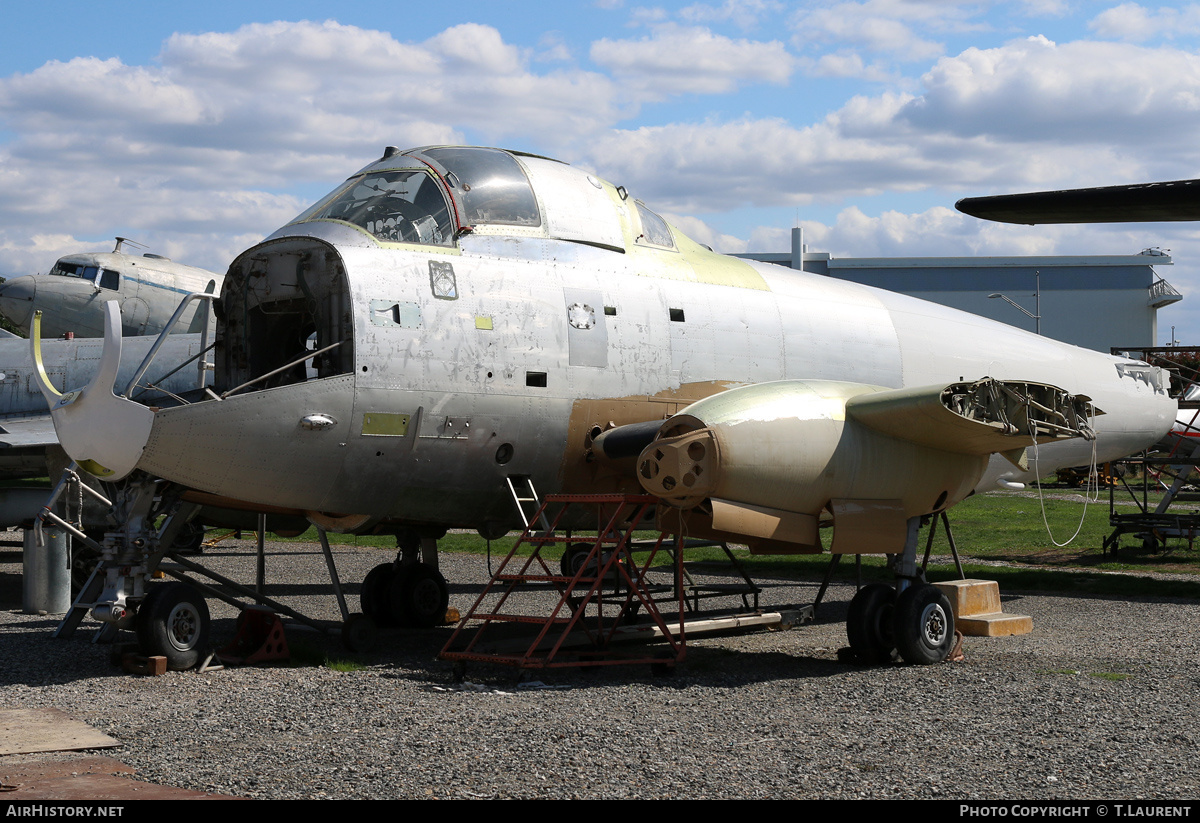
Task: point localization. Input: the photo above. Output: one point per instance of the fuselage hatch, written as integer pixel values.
(450, 318)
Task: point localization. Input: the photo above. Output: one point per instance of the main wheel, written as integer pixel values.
(374, 595)
(573, 558)
(924, 625)
(358, 633)
(869, 623)
(419, 596)
(173, 622)
(190, 539)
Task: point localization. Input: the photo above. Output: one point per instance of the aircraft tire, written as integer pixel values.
(419, 596)
(374, 598)
(359, 633)
(924, 625)
(869, 624)
(173, 622)
(573, 558)
(190, 539)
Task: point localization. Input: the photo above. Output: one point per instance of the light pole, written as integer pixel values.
(1037, 306)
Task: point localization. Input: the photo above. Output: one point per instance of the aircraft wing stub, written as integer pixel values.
(766, 460)
(34, 430)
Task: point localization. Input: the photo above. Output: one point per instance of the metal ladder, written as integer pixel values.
(524, 494)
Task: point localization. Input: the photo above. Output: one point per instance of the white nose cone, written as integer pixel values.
(103, 433)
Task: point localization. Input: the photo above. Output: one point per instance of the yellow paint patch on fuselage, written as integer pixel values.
(694, 263)
(689, 261)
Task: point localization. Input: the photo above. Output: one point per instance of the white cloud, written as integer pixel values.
(702, 232)
(745, 14)
(848, 64)
(1093, 95)
(295, 95)
(1030, 114)
(863, 149)
(217, 138)
(552, 48)
(1135, 23)
(879, 26)
(677, 59)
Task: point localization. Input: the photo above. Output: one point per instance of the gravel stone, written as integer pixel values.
(1098, 702)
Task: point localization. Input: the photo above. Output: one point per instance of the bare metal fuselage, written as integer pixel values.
(451, 319)
(544, 343)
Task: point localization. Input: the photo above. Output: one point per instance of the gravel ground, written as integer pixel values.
(1099, 702)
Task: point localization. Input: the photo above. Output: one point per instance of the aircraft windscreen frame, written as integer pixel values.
(395, 206)
(493, 186)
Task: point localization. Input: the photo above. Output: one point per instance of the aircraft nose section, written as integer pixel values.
(260, 447)
(16, 301)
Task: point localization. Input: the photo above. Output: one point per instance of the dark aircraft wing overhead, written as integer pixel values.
(1142, 202)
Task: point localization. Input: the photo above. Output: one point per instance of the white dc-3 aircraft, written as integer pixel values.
(71, 300)
(71, 297)
(486, 317)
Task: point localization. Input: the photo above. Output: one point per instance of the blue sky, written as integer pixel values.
(197, 130)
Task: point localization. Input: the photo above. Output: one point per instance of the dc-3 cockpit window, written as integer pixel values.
(493, 186)
(105, 278)
(394, 206)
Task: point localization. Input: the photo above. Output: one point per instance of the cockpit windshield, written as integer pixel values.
(393, 206)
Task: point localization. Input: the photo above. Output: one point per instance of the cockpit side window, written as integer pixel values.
(393, 206)
(493, 186)
(109, 279)
(655, 230)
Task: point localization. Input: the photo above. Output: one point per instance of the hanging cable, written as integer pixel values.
(1093, 482)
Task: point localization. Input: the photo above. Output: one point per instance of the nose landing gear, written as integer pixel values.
(173, 621)
(917, 625)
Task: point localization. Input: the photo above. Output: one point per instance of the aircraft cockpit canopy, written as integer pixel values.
(102, 277)
(436, 194)
(411, 199)
(494, 188)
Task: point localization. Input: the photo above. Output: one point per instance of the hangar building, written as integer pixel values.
(1093, 301)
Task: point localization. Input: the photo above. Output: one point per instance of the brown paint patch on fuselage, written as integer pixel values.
(583, 472)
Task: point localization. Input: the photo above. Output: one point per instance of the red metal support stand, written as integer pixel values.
(595, 608)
